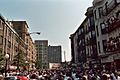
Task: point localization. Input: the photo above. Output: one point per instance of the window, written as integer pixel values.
(95, 14)
(118, 14)
(97, 30)
(9, 32)
(91, 21)
(100, 9)
(79, 32)
(106, 7)
(82, 30)
(103, 28)
(90, 34)
(9, 44)
(104, 42)
(99, 47)
(19, 28)
(93, 33)
(1, 39)
(1, 25)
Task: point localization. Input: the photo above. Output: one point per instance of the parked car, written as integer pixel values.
(11, 78)
(22, 76)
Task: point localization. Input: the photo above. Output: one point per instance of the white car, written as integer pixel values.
(11, 78)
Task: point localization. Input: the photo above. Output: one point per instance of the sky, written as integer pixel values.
(55, 19)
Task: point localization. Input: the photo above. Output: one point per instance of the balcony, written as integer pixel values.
(91, 41)
(110, 7)
(104, 31)
(1, 33)
(113, 45)
(112, 26)
(90, 28)
(96, 2)
(87, 42)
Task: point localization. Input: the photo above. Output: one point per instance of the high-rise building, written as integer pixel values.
(42, 53)
(14, 39)
(54, 54)
(10, 42)
(21, 27)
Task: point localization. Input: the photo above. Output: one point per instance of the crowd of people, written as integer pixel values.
(75, 74)
(70, 74)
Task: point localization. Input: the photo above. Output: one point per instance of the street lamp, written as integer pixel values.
(33, 66)
(28, 34)
(26, 62)
(6, 57)
(33, 33)
(65, 58)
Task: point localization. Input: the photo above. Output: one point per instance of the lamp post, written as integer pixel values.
(6, 58)
(65, 58)
(27, 64)
(27, 35)
(19, 43)
(33, 33)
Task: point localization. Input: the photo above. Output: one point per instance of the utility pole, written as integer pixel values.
(65, 59)
(65, 56)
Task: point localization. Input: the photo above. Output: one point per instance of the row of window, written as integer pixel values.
(104, 44)
(105, 10)
(105, 26)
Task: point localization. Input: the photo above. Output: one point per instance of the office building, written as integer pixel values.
(54, 54)
(42, 53)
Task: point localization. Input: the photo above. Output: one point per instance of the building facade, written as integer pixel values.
(54, 54)
(101, 32)
(21, 27)
(107, 22)
(42, 53)
(10, 42)
(78, 45)
(72, 48)
(90, 39)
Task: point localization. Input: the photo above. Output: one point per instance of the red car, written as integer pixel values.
(23, 78)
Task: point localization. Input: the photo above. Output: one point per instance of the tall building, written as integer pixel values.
(15, 39)
(78, 42)
(83, 42)
(21, 27)
(42, 53)
(72, 48)
(101, 31)
(90, 39)
(107, 25)
(54, 54)
(10, 41)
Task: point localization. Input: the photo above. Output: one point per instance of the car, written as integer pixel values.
(11, 78)
(23, 78)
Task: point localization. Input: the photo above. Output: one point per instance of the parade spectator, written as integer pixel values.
(1, 76)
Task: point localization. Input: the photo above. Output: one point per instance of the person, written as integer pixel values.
(1, 76)
(33, 76)
(106, 77)
(84, 78)
(112, 76)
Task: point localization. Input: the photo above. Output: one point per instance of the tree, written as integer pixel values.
(38, 64)
(2, 60)
(19, 59)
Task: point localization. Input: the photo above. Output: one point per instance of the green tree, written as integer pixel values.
(38, 64)
(2, 60)
(19, 59)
